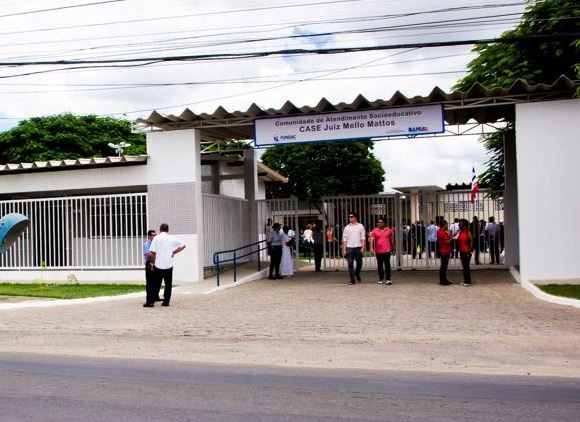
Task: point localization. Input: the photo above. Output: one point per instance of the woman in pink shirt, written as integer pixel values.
(382, 245)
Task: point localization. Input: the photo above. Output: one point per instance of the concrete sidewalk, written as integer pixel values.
(317, 320)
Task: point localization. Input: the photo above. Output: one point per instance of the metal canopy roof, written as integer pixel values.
(478, 104)
(264, 172)
(73, 164)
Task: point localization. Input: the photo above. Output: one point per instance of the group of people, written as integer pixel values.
(417, 238)
(354, 245)
(158, 253)
(460, 240)
(382, 244)
(281, 242)
(464, 241)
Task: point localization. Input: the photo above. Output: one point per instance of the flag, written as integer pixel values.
(474, 185)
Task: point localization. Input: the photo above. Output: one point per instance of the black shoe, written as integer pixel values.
(270, 278)
(445, 283)
(148, 305)
(279, 277)
(358, 278)
(351, 282)
(165, 304)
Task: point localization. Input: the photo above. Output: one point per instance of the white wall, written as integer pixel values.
(83, 178)
(548, 174)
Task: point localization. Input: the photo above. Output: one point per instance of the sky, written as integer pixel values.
(247, 59)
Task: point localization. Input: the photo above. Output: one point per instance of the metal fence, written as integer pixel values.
(270, 211)
(84, 232)
(225, 224)
(409, 215)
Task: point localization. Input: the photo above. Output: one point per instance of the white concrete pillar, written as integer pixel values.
(548, 147)
(174, 192)
(251, 190)
(511, 224)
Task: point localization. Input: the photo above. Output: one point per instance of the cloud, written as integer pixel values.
(430, 161)
(180, 27)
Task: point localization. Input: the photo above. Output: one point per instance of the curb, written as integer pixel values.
(540, 294)
(65, 302)
(256, 276)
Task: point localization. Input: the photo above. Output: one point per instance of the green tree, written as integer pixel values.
(500, 65)
(317, 170)
(67, 136)
(493, 176)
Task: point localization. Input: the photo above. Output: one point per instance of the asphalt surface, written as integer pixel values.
(49, 388)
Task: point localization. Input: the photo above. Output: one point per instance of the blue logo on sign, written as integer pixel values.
(414, 129)
(278, 138)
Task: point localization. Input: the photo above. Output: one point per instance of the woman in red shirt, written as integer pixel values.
(444, 242)
(382, 243)
(464, 244)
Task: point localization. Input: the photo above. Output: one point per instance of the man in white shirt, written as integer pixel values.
(353, 246)
(163, 248)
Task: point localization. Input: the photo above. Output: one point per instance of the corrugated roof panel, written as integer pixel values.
(360, 102)
(477, 103)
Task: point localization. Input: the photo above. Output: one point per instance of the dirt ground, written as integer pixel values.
(317, 320)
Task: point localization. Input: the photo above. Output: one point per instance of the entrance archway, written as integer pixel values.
(477, 106)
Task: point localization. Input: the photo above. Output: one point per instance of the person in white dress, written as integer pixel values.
(286, 266)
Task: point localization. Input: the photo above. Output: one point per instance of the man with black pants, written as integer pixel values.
(163, 248)
(474, 228)
(317, 246)
(151, 289)
(353, 246)
(492, 229)
(274, 240)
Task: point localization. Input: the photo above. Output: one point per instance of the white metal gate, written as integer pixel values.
(282, 211)
(84, 232)
(410, 215)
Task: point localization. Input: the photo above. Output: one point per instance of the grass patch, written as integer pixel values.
(563, 290)
(67, 291)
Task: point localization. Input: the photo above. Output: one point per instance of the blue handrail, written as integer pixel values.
(217, 261)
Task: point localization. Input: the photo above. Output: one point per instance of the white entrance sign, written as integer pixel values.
(345, 126)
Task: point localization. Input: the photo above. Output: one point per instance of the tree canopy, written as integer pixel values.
(323, 169)
(67, 136)
(500, 65)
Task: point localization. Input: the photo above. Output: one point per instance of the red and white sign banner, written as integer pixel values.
(351, 125)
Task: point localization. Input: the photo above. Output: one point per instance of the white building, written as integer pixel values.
(90, 216)
(104, 235)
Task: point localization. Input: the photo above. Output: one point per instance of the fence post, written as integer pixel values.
(235, 268)
(398, 231)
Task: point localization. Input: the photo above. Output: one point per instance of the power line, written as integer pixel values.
(300, 51)
(223, 12)
(364, 31)
(294, 24)
(61, 8)
(158, 85)
(252, 78)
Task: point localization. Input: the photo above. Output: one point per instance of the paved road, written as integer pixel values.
(47, 388)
